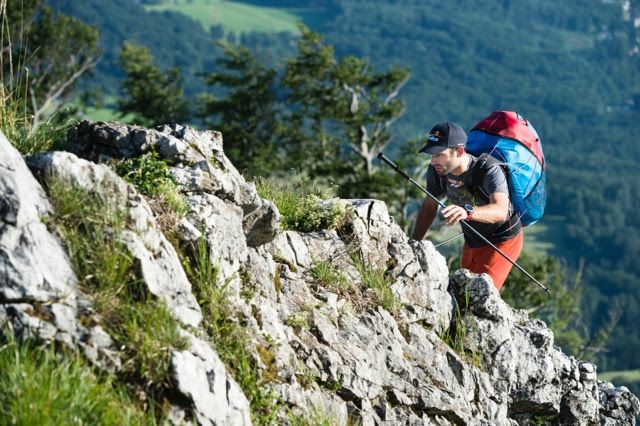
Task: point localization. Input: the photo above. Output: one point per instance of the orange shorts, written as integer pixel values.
(487, 259)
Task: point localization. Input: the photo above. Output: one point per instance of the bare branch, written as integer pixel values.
(396, 91)
(54, 92)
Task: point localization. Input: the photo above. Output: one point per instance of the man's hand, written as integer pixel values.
(453, 214)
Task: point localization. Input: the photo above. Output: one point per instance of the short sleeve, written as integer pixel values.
(495, 180)
(434, 182)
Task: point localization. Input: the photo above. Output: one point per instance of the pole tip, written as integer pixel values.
(380, 155)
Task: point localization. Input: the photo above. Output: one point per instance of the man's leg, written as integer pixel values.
(487, 260)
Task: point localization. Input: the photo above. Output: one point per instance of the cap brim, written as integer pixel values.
(433, 149)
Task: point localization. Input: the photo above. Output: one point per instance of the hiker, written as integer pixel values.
(480, 198)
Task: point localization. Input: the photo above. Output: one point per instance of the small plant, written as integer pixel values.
(17, 127)
(455, 336)
(316, 418)
(304, 212)
(306, 376)
(149, 173)
(230, 338)
(378, 281)
(37, 383)
(328, 275)
(299, 321)
(543, 420)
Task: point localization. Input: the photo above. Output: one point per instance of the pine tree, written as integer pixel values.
(247, 114)
(153, 97)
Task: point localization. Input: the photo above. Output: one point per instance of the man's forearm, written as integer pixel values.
(426, 214)
(491, 213)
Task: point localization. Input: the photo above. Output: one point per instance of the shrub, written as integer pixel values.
(301, 211)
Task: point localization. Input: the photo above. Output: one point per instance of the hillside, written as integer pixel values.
(207, 311)
(572, 69)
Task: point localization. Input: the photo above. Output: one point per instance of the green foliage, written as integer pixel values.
(42, 55)
(149, 173)
(299, 321)
(247, 115)
(140, 324)
(330, 276)
(40, 386)
(231, 340)
(16, 124)
(340, 109)
(302, 211)
(378, 281)
(154, 97)
(455, 335)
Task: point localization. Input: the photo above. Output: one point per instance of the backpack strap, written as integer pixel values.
(480, 169)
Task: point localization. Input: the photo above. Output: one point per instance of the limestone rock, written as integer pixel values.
(159, 263)
(200, 166)
(201, 377)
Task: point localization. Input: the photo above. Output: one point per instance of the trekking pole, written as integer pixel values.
(446, 241)
(402, 173)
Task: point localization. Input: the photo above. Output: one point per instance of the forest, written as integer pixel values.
(572, 69)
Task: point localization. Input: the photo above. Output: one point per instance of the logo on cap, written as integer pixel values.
(435, 136)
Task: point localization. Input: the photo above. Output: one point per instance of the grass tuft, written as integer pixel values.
(378, 281)
(455, 336)
(302, 211)
(329, 276)
(150, 174)
(17, 126)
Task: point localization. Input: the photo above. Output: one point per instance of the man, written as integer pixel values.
(484, 204)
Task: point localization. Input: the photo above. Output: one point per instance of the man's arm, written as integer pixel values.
(426, 214)
(496, 211)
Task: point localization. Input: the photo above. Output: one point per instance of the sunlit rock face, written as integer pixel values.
(331, 352)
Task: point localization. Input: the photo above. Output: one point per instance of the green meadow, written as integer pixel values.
(239, 17)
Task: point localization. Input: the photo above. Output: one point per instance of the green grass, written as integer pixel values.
(238, 17)
(303, 209)
(16, 124)
(39, 386)
(140, 324)
(150, 174)
(455, 336)
(330, 277)
(622, 375)
(378, 281)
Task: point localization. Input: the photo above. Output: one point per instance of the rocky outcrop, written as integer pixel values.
(329, 350)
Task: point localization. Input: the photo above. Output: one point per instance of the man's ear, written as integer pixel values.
(460, 151)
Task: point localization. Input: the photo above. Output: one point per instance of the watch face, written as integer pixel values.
(468, 207)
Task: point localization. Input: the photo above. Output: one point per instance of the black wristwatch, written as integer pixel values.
(470, 209)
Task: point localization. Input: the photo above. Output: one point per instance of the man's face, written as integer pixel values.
(445, 161)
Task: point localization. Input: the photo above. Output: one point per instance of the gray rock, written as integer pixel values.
(202, 378)
(159, 264)
(200, 166)
(27, 274)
